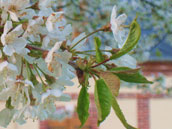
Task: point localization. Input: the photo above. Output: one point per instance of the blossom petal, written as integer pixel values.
(121, 18)
(49, 57)
(12, 67)
(19, 44)
(126, 61)
(114, 13)
(56, 93)
(45, 12)
(52, 20)
(8, 26)
(45, 42)
(4, 17)
(67, 30)
(8, 50)
(18, 30)
(6, 116)
(29, 13)
(14, 16)
(3, 65)
(29, 83)
(3, 38)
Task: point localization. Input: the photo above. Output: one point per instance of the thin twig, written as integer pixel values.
(22, 65)
(103, 62)
(101, 29)
(30, 47)
(64, 6)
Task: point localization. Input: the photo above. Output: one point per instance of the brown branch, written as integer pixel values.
(30, 47)
(103, 62)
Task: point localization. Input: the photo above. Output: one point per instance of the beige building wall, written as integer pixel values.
(128, 107)
(161, 113)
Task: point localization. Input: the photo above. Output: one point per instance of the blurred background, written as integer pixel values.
(145, 106)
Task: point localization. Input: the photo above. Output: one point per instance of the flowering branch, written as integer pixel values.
(35, 39)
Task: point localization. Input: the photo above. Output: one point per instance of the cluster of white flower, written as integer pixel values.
(30, 83)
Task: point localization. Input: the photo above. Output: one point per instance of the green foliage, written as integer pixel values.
(30, 73)
(83, 105)
(99, 56)
(49, 79)
(134, 77)
(119, 113)
(37, 54)
(8, 104)
(132, 40)
(158, 53)
(102, 99)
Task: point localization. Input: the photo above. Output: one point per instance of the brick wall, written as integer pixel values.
(143, 118)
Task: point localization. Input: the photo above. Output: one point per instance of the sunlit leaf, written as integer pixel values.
(131, 42)
(130, 77)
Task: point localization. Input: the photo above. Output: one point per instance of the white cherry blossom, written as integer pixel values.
(46, 3)
(12, 40)
(117, 25)
(57, 28)
(13, 7)
(7, 65)
(34, 29)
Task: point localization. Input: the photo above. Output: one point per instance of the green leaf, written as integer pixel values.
(99, 56)
(83, 105)
(119, 113)
(130, 77)
(37, 54)
(158, 53)
(8, 104)
(30, 75)
(49, 79)
(103, 99)
(112, 81)
(131, 42)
